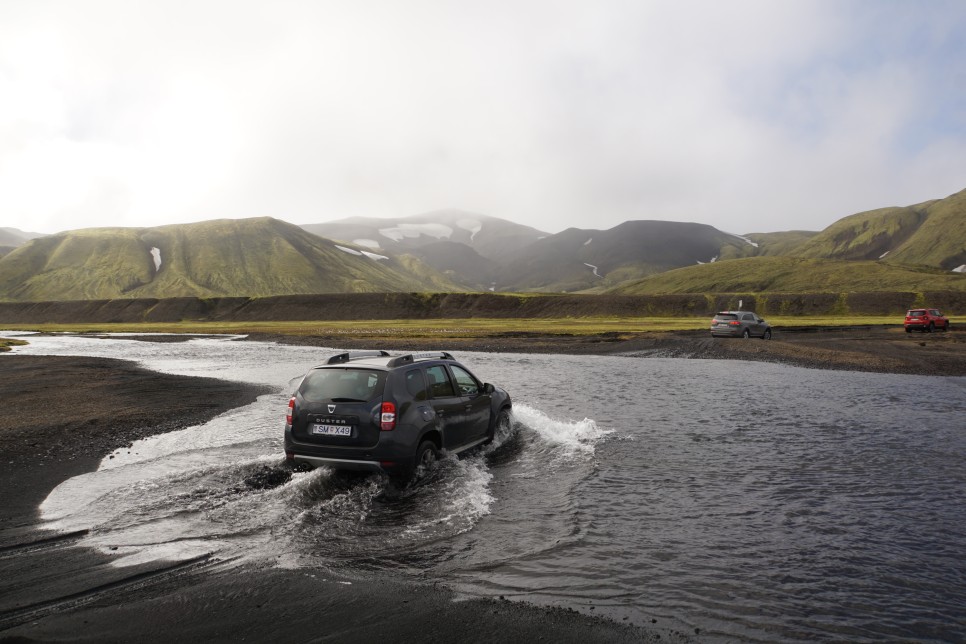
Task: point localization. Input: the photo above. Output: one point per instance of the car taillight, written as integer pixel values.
(387, 421)
(734, 323)
(291, 411)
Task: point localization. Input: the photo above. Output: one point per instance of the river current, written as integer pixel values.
(751, 501)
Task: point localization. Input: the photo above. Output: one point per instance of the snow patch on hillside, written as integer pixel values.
(360, 253)
(368, 243)
(712, 261)
(588, 241)
(594, 269)
(412, 231)
(744, 239)
(960, 269)
(472, 225)
(883, 254)
(156, 255)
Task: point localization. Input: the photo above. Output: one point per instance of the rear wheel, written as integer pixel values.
(932, 327)
(767, 335)
(746, 334)
(426, 457)
(908, 329)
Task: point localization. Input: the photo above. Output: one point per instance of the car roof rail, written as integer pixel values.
(413, 357)
(356, 355)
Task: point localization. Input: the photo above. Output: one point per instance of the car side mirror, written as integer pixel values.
(488, 388)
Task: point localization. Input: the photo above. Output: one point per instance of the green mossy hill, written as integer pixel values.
(794, 275)
(927, 234)
(768, 244)
(237, 257)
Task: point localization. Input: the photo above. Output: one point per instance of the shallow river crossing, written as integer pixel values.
(750, 501)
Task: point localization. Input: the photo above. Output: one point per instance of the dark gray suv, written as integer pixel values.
(739, 324)
(368, 410)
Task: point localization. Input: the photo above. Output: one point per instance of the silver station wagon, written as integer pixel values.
(739, 324)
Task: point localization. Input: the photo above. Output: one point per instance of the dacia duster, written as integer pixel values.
(369, 410)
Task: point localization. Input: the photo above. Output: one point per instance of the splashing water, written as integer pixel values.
(223, 488)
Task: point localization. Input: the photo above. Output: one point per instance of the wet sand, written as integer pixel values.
(60, 415)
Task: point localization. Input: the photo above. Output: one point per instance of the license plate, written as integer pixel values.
(332, 430)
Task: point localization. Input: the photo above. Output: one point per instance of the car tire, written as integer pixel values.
(746, 334)
(502, 420)
(426, 457)
(946, 328)
(908, 329)
(766, 335)
(932, 327)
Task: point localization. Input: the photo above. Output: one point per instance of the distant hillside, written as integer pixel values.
(768, 244)
(459, 263)
(246, 257)
(918, 247)
(794, 275)
(491, 237)
(12, 237)
(578, 259)
(927, 234)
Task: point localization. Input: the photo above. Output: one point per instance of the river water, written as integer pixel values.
(751, 501)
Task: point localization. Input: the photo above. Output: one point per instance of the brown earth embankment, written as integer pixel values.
(409, 306)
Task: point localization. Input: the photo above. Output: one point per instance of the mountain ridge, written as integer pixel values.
(253, 257)
(922, 246)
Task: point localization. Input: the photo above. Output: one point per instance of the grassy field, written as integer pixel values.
(794, 275)
(451, 328)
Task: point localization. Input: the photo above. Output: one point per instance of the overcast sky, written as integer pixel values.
(750, 116)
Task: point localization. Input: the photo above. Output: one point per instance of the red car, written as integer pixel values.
(925, 320)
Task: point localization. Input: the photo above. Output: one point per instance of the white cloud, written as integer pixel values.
(751, 115)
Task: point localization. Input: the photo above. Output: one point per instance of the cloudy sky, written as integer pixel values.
(747, 115)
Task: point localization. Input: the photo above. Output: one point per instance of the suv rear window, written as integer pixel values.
(726, 316)
(360, 385)
(916, 313)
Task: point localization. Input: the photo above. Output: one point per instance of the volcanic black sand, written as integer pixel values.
(60, 415)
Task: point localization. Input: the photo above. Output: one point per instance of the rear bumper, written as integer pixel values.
(384, 457)
(337, 463)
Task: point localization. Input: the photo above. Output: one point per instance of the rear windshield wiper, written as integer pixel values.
(347, 400)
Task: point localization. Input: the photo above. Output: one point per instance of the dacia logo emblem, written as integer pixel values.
(331, 409)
